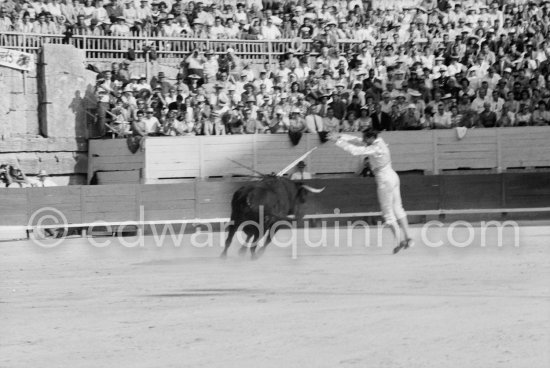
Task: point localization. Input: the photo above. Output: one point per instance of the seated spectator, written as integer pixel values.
(173, 126)
(296, 126)
(487, 118)
(441, 119)
(330, 122)
(409, 120)
(15, 178)
(507, 117)
(541, 115)
(146, 124)
(523, 116)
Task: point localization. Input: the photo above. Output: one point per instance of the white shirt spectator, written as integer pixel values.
(54, 8)
(131, 15)
(5, 24)
(442, 120)
(271, 32)
(211, 68)
(218, 31)
(120, 29)
(152, 124)
(101, 15)
(143, 12)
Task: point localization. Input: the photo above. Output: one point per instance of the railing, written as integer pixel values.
(167, 48)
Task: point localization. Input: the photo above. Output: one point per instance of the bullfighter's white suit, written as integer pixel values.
(387, 180)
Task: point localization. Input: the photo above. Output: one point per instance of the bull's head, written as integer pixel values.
(303, 190)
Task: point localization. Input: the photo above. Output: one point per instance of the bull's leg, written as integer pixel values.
(243, 249)
(266, 243)
(231, 233)
(254, 245)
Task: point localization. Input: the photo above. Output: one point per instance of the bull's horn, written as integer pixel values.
(313, 190)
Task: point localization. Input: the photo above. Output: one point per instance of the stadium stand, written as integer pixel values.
(302, 66)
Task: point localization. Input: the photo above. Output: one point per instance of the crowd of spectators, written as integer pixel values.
(411, 65)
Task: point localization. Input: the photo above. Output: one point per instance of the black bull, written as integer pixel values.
(257, 206)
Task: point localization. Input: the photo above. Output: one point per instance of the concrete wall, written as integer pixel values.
(18, 102)
(43, 120)
(64, 158)
(66, 92)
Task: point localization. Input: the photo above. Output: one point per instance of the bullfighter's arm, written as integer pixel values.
(348, 137)
(354, 149)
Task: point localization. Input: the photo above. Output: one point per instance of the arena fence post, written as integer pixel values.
(269, 52)
(498, 137)
(435, 153)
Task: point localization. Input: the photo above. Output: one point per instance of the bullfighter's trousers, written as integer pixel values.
(389, 195)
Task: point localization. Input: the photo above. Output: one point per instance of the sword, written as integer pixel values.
(247, 167)
(295, 162)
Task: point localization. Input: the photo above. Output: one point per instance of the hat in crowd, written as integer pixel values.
(42, 173)
(414, 93)
(201, 98)
(411, 106)
(296, 110)
(149, 109)
(301, 164)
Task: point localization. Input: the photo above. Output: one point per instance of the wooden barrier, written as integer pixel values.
(208, 156)
(211, 199)
(114, 163)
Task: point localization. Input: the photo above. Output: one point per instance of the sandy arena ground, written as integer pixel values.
(80, 305)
